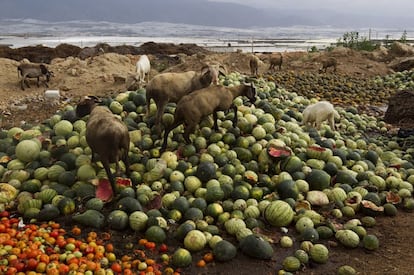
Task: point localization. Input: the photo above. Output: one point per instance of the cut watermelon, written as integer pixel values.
(104, 190)
(278, 152)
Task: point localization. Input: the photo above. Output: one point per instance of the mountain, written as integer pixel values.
(195, 12)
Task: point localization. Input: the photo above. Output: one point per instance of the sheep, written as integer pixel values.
(143, 68)
(30, 70)
(254, 62)
(171, 87)
(275, 61)
(318, 112)
(106, 135)
(329, 62)
(192, 108)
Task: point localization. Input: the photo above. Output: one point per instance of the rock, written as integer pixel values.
(400, 111)
(402, 64)
(118, 79)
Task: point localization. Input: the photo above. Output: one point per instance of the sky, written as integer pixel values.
(386, 7)
(239, 13)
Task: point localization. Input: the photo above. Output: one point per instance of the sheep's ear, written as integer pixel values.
(94, 98)
(205, 68)
(222, 70)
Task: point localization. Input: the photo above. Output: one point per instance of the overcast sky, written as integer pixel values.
(389, 7)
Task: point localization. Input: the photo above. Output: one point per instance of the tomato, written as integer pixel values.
(4, 214)
(11, 270)
(54, 234)
(163, 248)
(116, 267)
(31, 264)
(44, 258)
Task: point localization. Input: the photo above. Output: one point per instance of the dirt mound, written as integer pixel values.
(42, 54)
(400, 111)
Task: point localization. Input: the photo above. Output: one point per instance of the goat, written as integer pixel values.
(254, 65)
(275, 61)
(329, 62)
(143, 68)
(171, 87)
(316, 113)
(106, 135)
(30, 70)
(192, 108)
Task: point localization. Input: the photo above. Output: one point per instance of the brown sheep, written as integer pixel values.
(329, 62)
(30, 70)
(171, 87)
(106, 135)
(192, 108)
(275, 61)
(254, 62)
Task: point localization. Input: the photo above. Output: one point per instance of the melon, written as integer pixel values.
(27, 150)
(279, 213)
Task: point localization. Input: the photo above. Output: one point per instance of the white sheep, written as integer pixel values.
(143, 68)
(316, 113)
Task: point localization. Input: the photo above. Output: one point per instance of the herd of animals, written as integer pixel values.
(196, 94)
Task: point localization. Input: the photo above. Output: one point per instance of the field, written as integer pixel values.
(75, 78)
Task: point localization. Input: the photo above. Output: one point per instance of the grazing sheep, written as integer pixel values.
(171, 87)
(254, 62)
(30, 70)
(330, 62)
(106, 135)
(316, 113)
(275, 61)
(143, 68)
(192, 108)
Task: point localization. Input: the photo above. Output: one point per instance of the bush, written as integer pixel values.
(352, 40)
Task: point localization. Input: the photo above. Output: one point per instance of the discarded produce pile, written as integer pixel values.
(254, 189)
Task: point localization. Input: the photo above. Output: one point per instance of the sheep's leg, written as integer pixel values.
(126, 162)
(215, 121)
(318, 123)
(93, 158)
(164, 142)
(332, 122)
(22, 83)
(148, 105)
(160, 112)
(111, 178)
(235, 115)
(166, 133)
(188, 130)
(38, 82)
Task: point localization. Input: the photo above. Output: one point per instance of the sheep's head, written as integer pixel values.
(250, 92)
(86, 105)
(210, 73)
(46, 72)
